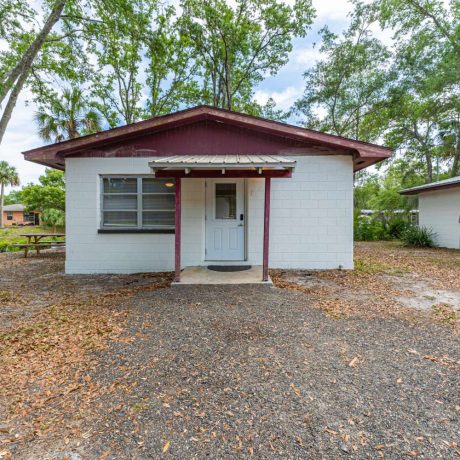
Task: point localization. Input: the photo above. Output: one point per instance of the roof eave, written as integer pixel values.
(51, 155)
(434, 188)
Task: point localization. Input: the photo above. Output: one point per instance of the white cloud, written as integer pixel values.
(284, 99)
(306, 56)
(331, 9)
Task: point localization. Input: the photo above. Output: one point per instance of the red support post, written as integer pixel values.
(266, 229)
(177, 233)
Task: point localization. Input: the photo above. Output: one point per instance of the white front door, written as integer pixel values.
(225, 219)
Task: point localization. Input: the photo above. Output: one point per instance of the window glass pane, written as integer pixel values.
(120, 202)
(158, 186)
(120, 219)
(225, 201)
(158, 219)
(158, 202)
(120, 185)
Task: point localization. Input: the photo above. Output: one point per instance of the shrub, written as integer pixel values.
(4, 246)
(368, 228)
(419, 237)
(397, 227)
(53, 218)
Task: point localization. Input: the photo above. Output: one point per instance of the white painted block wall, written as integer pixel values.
(90, 252)
(311, 223)
(317, 233)
(440, 211)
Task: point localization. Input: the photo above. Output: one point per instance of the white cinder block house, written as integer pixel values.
(208, 186)
(439, 209)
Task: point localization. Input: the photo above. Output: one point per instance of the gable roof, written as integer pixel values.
(440, 185)
(364, 154)
(14, 207)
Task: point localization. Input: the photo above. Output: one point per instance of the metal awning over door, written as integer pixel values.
(223, 165)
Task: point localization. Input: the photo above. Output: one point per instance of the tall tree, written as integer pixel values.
(12, 80)
(344, 91)
(67, 117)
(116, 67)
(173, 70)
(8, 176)
(427, 60)
(237, 46)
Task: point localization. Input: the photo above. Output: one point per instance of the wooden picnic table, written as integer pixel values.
(34, 241)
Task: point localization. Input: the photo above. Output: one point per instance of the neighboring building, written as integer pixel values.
(439, 209)
(15, 214)
(207, 185)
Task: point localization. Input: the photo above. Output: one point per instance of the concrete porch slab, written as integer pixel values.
(202, 275)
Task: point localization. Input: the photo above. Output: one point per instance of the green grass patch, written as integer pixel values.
(12, 235)
(372, 268)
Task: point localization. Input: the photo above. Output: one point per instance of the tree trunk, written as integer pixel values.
(2, 195)
(25, 64)
(6, 116)
(429, 167)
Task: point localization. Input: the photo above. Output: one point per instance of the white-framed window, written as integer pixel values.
(142, 203)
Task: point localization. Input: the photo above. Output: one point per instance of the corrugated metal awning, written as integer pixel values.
(231, 162)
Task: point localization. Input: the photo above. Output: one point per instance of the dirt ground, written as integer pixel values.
(332, 364)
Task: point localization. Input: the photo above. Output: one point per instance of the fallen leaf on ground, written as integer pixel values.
(295, 389)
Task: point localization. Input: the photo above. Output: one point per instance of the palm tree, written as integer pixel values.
(67, 118)
(8, 176)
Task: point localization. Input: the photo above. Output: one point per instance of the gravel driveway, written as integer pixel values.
(232, 372)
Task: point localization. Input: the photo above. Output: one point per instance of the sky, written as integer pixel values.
(284, 88)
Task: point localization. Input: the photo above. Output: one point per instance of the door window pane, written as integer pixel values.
(225, 201)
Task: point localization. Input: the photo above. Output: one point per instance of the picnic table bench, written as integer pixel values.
(34, 241)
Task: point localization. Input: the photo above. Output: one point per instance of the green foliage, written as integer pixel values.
(397, 227)
(420, 237)
(369, 228)
(9, 236)
(4, 246)
(350, 83)
(14, 197)
(409, 96)
(379, 227)
(381, 193)
(49, 194)
(423, 109)
(66, 116)
(53, 217)
(8, 176)
(52, 178)
(237, 45)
